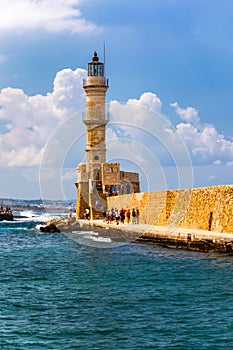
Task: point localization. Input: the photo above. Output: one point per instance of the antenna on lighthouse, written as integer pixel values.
(104, 58)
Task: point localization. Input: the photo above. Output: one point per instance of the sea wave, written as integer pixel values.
(99, 239)
(92, 239)
(26, 216)
(91, 233)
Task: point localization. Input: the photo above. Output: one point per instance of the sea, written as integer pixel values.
(83, 291)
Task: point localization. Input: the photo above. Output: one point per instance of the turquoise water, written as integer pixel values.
(56, 293)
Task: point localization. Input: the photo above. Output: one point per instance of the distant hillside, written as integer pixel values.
(36, 204)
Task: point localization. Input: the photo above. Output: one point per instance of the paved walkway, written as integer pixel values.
(66, 224)
(168, 231)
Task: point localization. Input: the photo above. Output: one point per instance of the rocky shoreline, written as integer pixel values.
(6, 216)
(170, 237)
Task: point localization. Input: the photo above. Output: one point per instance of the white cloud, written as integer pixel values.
(147, 139)
(26, 156)
(188, 114)
(54, 16)
(29, 121)
(147, 100)
(68, 94)
(137, 132)
(217, 162)
(134, 114)
(203, 141)
(206, 144)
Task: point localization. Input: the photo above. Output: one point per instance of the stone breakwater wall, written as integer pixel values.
(207, 208)
(178, 238)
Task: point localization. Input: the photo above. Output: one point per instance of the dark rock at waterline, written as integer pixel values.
(20, 217)
(51, 228)
(6, 217)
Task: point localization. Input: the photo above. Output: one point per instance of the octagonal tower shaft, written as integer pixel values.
(95, 87)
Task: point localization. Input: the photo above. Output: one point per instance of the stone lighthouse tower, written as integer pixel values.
(89, 175)
(95, 88)
(98, 180)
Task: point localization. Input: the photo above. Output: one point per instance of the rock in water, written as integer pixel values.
(51, 228)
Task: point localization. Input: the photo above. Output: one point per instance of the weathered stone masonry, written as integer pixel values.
(207, 208)
(96, 178)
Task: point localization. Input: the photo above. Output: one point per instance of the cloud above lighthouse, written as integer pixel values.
(205, 144)
(51, 16)
(27, 123)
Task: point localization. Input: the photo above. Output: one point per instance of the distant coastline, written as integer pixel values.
(38, 205)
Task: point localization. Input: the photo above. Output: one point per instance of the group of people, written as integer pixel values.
(6, 210)
(122, 216)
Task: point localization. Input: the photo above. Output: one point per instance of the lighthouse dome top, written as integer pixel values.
(95, 57)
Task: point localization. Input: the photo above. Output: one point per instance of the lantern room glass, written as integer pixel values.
(95, 69)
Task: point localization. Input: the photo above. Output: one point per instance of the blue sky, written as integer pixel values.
(172, 56)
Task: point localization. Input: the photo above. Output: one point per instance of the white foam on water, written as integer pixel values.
(99, 239)
(92, 239)
(27, 213)
(91, 233)
(30, 216)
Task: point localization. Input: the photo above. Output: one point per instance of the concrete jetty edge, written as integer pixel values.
(168, 236)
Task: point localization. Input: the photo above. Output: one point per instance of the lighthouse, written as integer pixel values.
(95, 86)
(97, 179)
(89, 184)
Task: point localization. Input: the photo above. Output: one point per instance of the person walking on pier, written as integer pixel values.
(137, 216)
(128, 216)
(133, 216)
(117, 216)
(122, 215)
